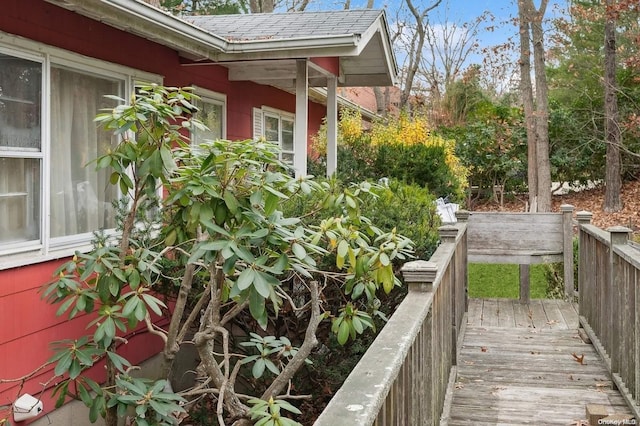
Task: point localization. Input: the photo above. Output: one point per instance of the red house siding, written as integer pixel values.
(28, 323)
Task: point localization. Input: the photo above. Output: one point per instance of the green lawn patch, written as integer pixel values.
(497, 280)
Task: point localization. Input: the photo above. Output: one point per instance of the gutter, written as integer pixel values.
(240, 46)
(168, 21)
(186, 37)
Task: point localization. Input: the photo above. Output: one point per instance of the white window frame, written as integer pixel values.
(48, 248)
(259, 115)
(214, 98)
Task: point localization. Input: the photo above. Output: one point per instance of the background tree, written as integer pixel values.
(613, 182)
(577, 92)
(415, 42)
(536, 113)
(204, 7)
(448, 46)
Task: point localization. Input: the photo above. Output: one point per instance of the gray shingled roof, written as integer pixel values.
(284, 26)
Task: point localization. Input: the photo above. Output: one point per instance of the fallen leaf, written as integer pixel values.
(579, 359)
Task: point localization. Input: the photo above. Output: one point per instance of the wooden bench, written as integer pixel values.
(523, 239)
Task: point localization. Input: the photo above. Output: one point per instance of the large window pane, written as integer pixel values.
(19, 200)
(81, 197)
(20, 98)
(211, 115)
(287, 135)
(272, 129)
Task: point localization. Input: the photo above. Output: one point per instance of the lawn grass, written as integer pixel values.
(497, 280)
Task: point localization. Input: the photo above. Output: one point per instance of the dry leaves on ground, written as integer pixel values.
(589, 200)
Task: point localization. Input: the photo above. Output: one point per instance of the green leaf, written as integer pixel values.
(258, 368)
(357, 324)
(84, 395)
(114, 286)
(63, 308)
(245, 279)
(343, 248)
(230, 201)
(119, 362)
(386, 276)
(167, 159)
(261, 283)
(154, 303)
(256, 306)
(299, 251)
(271, 366)
(343, 332)
(130, 306)
(270, 204)
(104, 162)
(134, 279)
(74, 369)
(214, 245)
(114, 178)
(63, 364)
(94, 411)
(120, 274)
(287, 406)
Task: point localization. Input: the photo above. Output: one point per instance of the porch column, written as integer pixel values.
(302, 114)
(332, 125)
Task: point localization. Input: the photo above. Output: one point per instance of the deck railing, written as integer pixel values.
(403, 377)
(609, 302)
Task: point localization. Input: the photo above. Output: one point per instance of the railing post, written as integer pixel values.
(462, 215)
(584, 218)
(448, 233)
(619, 235)
(419, 275)
(567, 229)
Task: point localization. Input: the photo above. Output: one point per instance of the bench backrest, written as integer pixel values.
(520, 238)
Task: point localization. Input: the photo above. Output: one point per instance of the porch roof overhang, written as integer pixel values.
(358, 38)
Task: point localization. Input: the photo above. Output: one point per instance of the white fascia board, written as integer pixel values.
(344, 45)
(388, 49)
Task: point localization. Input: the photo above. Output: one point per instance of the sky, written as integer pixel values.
(459, 12)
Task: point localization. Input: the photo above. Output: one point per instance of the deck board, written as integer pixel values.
(519, 364)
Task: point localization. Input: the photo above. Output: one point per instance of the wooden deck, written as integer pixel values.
(526, 364)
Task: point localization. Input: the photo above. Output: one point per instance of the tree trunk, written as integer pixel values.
(526, 91)
(536, 115)
(613, 183)
(381, 98)
(542, 111)
(261, 6)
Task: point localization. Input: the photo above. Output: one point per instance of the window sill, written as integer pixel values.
(34, 257)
